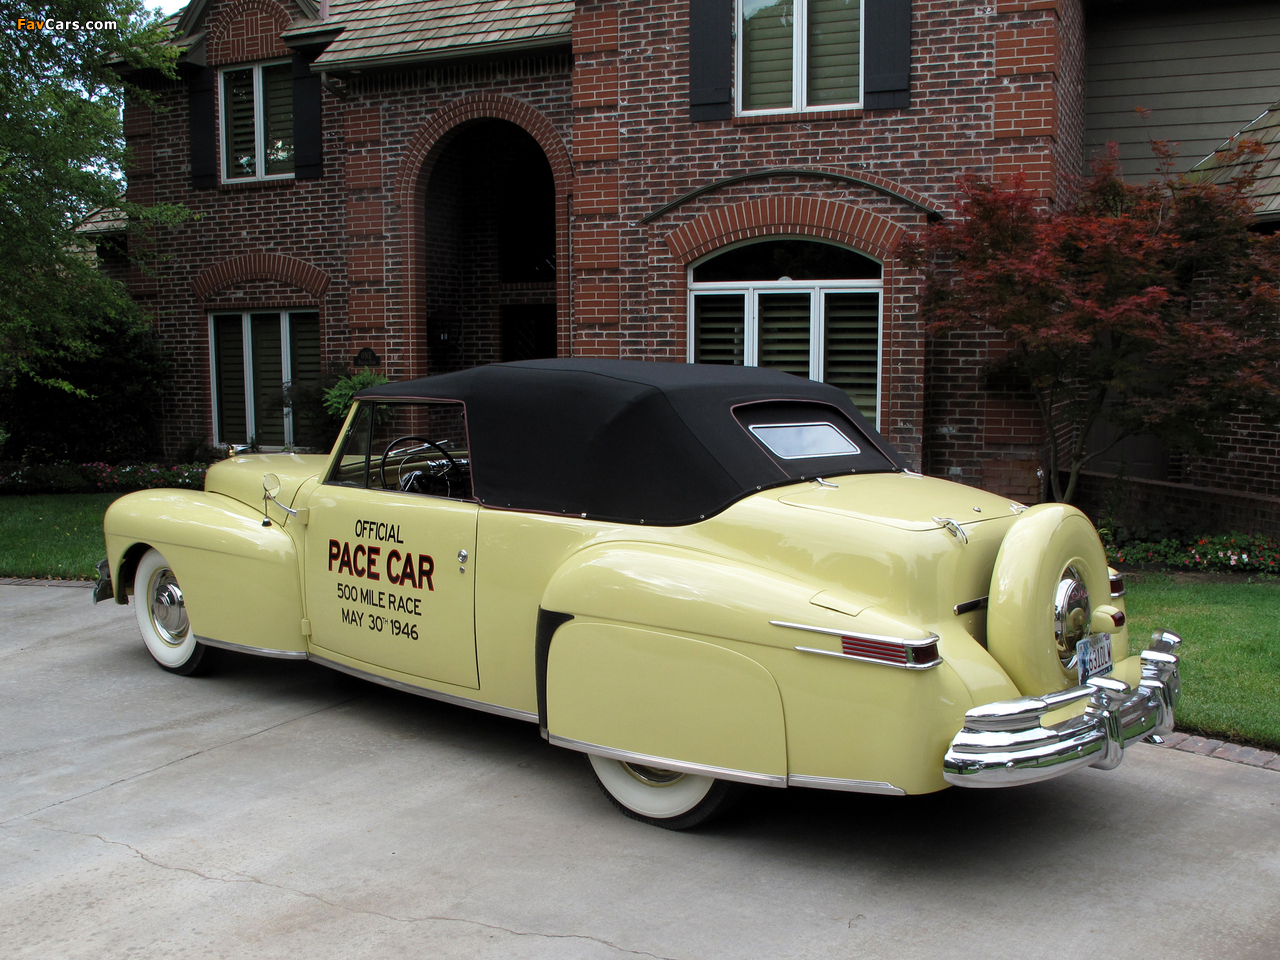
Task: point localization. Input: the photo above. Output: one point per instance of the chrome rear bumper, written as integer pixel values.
(1003, 744)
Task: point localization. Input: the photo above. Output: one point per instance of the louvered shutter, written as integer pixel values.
(710, 59)
(201, 109)
(308, 162)
(833, 52)
(853, 347)
(719, 329)
(277, 120)
(887, 42)
(239, 137)
(767, 56)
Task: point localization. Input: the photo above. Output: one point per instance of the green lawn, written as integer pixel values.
(1230, 653)
(56, 535)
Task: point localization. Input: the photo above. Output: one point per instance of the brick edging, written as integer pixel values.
(1221, 750)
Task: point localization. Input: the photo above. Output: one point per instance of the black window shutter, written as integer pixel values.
(202, 104)
(308, 162)
(886, 44)
(710, 59)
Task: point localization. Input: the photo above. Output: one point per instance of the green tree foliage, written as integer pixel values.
(1153, 305)
(62, 154)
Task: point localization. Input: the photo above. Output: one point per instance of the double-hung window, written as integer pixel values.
(255, 356)
(799, 55)
(257, 122)
(808, 308)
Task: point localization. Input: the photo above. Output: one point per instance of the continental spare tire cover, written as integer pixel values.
(1050, 574)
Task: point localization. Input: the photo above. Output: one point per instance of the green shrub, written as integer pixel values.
(100, 478)
(339, 397)
(1232, 552)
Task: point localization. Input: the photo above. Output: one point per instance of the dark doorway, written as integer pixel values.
(490, 245)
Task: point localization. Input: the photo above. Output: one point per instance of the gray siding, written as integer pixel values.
(1203, 71)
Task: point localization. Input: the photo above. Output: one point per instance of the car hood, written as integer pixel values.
(241, 477)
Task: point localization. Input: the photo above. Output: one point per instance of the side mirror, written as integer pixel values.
(270, 489)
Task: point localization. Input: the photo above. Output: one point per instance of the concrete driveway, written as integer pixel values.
(278, 809)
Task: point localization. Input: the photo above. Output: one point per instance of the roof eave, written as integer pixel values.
(446, 54)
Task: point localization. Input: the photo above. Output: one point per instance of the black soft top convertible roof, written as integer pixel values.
(637, 442)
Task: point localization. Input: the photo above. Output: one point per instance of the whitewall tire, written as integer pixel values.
(664, 798)
(162, 616)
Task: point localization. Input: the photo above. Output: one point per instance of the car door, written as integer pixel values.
(390, 544)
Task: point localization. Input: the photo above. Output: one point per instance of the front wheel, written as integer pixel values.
(162, 617)
(663, 798)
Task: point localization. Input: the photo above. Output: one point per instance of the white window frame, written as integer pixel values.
(817, 290)
(246, 353)
(799, 64)
(259, 124)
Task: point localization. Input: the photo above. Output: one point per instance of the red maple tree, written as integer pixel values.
(1153, 305)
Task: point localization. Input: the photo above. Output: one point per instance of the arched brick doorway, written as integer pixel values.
(489, 260)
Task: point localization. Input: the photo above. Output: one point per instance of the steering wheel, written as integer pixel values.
(382, 467)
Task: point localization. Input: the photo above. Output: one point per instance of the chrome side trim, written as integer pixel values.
(857, 635)
(256, 651)
(883, 663)
(850, 786)
(698, 769)
(1006, 743)
(480, 705)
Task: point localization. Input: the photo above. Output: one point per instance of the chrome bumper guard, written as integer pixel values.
(1004, 744)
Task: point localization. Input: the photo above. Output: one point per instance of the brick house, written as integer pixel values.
(442, 183)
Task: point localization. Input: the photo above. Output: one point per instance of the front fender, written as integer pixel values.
(239, 579)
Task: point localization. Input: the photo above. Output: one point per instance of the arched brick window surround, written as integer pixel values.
(411, 197)
(261, 266)
(246, 31)
(819, 219)
(786, 216)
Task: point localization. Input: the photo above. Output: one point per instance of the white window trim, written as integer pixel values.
(816, 289)
(799, 63)
(246, 353)
(259, 124)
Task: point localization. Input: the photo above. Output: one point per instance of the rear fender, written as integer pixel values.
(641, 694)
(239, 579)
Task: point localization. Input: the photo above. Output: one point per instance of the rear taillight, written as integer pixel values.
(897, 653)
(868, 649)
(871, 648)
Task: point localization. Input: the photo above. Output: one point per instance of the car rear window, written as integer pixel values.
(811, 439)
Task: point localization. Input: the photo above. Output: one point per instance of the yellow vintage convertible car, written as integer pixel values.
(699, 576)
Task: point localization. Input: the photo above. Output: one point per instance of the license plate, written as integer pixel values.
(1093, 656)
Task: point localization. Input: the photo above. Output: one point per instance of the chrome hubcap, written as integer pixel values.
(1071, 614)
(652, 776)
(168, 611)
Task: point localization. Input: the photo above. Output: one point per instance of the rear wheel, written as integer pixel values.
(663, 798)
(162, 617)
